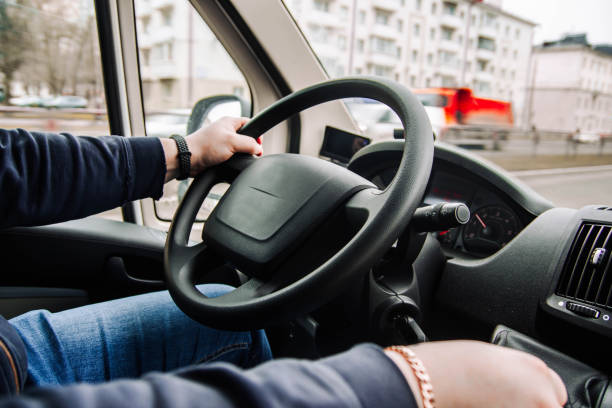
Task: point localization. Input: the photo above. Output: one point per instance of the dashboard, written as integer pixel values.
(496, 218)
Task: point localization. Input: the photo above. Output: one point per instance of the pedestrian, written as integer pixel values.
(535, 137)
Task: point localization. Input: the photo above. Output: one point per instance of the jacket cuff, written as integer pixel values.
(373, 376)
(146, 167)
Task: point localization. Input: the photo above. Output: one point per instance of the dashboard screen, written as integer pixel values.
(446, 188)
(340, 145)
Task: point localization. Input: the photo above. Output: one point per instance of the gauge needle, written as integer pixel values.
(481, 221)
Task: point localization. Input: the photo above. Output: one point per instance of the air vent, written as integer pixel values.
(587, 275)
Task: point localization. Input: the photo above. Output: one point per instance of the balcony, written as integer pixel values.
(485, 54)
(324, 19)
(484, 76)
(451, 20)
(164, 70)
(326, 49)
(143, 8)
(449, 45)
(157, 4)
(449, 69)
(389, 5)
(385, 31)
(487, 31)
(380, 58)
(161, 34)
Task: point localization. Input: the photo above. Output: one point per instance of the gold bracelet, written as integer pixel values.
(419, 372)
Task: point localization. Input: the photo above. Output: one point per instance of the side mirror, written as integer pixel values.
(211, 108)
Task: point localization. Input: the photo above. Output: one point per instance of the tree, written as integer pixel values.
(14, 42)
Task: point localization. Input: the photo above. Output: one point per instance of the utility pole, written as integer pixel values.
(351, 42)
(467, 41)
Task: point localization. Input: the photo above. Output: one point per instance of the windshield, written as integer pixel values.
(524, 84)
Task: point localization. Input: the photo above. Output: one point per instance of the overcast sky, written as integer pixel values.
(557, 17)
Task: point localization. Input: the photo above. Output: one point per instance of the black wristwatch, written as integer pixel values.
(184, 157)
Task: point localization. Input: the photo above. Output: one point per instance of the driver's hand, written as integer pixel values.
(211, 145)
(476, 374)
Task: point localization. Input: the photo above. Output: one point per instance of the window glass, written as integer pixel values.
(181, 63)
(451, 44)
(41, 89)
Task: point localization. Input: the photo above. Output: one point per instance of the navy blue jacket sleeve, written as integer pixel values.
(47, 178)
(361, 377)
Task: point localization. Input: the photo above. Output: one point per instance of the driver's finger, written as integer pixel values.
(559, 386)
(246, 144)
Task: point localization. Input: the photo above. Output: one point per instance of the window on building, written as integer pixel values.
(417, 4)
(428, 82)
(449, 81)
(321, 5)
(360, 45)
(504, 52)
(430, 59)
(507, 31)
(412, 81)
(434, 8)
(344, 13)
(512, 75)
(486, 43)
(381, 70)
(362, 17)
(471, 43)
(446, 33)
(399, 52)
(166, 14)
(449, 8)
(400, 25)
(383, 45)
(462, 15)
(447, 59)
(460, 39)
(484, 87)
(503, 73)
(416, 30)
(342, 42)
(481, 65)
(415, 55)
(517, 33)
(432, 34)
(382, 17)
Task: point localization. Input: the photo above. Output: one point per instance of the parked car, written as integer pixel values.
(66, 102)
(586, 138)
(166, 123)
(27, 100)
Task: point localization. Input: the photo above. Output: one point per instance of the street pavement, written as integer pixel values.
(572, 187)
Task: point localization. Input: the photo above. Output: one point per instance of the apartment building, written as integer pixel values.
(423, 43)
(181, 60)
(572, 86)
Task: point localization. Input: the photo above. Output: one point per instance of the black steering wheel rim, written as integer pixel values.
(389, 212)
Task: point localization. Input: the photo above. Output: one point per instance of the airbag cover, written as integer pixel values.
(273, 205)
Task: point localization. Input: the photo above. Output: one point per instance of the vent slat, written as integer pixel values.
(587, 269)
(597, 276)
(581, 279)
(574, 277)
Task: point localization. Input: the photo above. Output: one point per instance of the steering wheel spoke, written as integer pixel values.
(363, 205)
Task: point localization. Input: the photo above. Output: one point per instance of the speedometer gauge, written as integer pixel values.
(490, 229)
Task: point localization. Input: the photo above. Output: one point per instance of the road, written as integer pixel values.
(574, 187)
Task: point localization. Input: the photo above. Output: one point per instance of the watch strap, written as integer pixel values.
(184, 157)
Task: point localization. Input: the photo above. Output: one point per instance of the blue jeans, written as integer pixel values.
(127, 338)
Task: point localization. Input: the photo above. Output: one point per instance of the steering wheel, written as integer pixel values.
(299, 227)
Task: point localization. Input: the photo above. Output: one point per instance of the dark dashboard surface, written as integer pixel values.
(496, 217)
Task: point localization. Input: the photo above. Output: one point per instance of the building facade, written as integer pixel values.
(572, 86)
(423, 43)
(181, 60)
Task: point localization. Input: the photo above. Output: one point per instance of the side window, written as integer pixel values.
(41, 87)
(182, 63)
